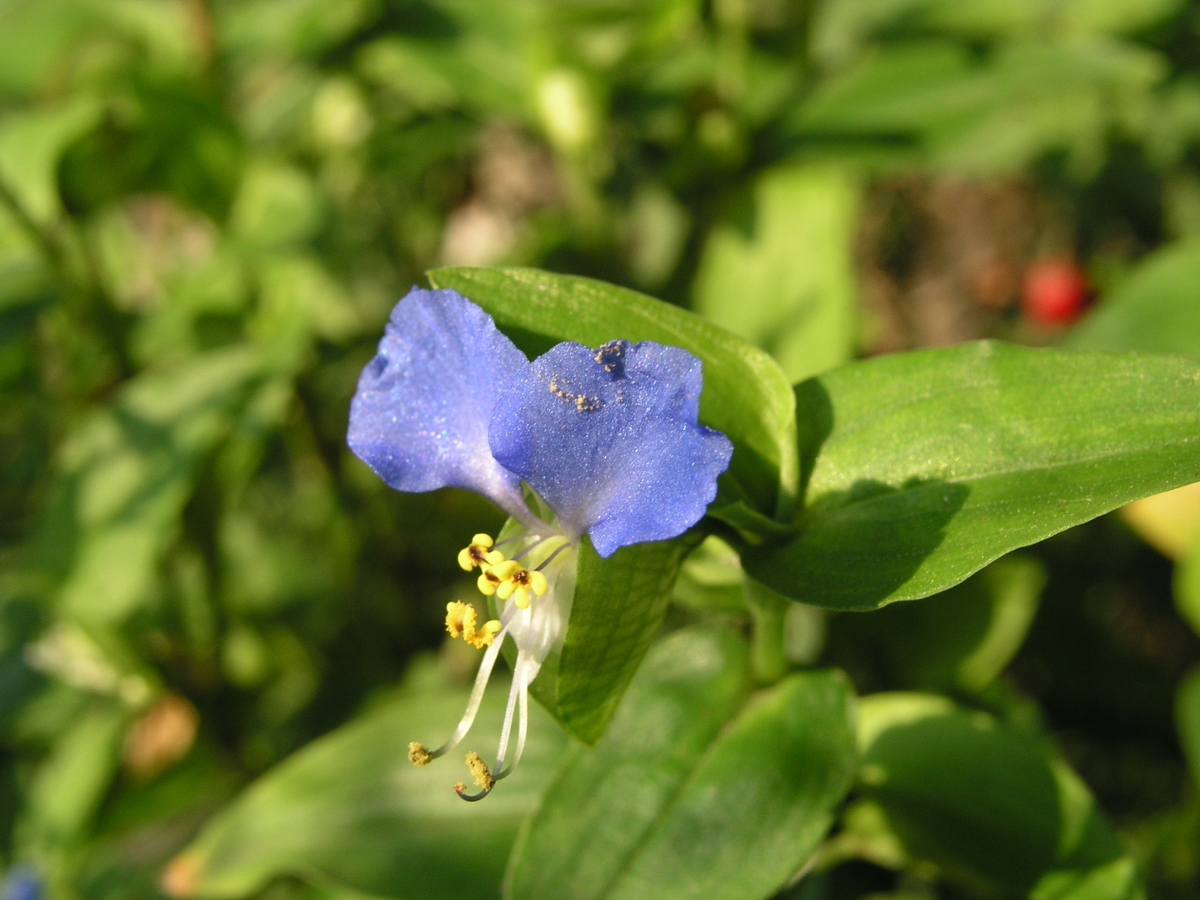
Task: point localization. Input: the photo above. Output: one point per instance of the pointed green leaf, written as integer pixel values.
(745, 393)
(924, 467)
(688, 797)
(351, 809)
(995, 809)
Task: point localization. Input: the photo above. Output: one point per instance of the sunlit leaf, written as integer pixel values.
(927, 466)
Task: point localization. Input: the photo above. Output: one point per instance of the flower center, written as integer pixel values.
(532, 615)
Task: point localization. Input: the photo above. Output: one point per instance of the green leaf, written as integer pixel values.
(31, 145)
(1021, 17)
(745, 393)
(351, 809)
(958, 640)
(1154, 310)
(1187, 717)
(712, 579)
(985, 115)
(69, 785)
(128, 470)
(688, 797)
(781, 274)
(927, 466)
(996, 810)
(617, 612)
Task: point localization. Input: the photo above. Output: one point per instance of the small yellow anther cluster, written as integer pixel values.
(479, 553)
(480, 771)
(418, 754)
(482, 775)
(460, 622)
(520, 584)
(505, 578)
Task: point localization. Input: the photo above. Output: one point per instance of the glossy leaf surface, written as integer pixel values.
(688, 797)
(924, 467)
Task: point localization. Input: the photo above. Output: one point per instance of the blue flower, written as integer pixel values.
(607, 437)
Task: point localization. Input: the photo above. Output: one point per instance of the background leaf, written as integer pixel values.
(982, 457)
(991, 806)
(351, 809)
(779, 272)
(744, 390)
(686, 797)
(1155, 310)
(958, 640)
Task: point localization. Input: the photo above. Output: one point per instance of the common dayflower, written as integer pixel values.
(607, 438)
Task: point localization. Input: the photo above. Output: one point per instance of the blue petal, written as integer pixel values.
(609, 439)
(420, 415)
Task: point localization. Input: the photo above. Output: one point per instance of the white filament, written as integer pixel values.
(481, 680)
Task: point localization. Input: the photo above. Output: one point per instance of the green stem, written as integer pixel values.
(768, 611)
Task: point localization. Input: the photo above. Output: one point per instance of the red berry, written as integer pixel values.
(1055, 291)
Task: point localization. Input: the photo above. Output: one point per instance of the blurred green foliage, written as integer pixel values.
(207, 208)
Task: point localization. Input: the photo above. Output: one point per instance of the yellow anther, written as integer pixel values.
(479, 553)
(520, 585)
(487, 582)
(460, 622)
(480, 771)
(487, 633)
(506, 570)
(419, 755)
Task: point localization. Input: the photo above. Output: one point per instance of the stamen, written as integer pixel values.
(520, 537)
(521, 686)
(481, 774)
(479, 553)
(514, 691)
(521, 584)
(468, 719)
(479, 771)
(461, 790)
(418, 754)
(460, 622)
